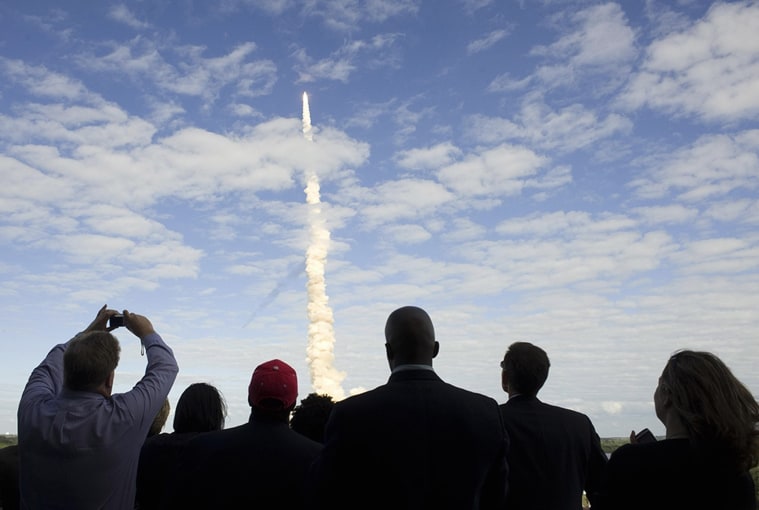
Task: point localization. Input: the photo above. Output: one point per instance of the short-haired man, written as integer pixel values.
(260, 464)
(415, 442)
(79, 443)
(555, 452)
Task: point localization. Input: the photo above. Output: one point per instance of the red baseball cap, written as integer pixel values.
(274, 385)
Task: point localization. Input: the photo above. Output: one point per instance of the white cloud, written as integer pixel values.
(193, 74)
(500, 171)
(710, 70)
(348, 15)
(711, 167)
(744, 210)
(569, 223)
(428, 158)
(407, 118)
(571, 128)
(600, 42)
(725, 255)
(103, 125)
(486, 42)
(471, 6)
(674, 213)
(612, 407)
(381, 10)
(334, 68)
(122, 14)
(378, 52)
(273, 7)
(398, 200)
(602, 37)
(243, 110)
(40, 81)
(463, 229)
(505, 83)
(406, 234)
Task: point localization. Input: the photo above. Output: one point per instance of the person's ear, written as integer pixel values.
(109, 381)
(666, 399)
(435, 349)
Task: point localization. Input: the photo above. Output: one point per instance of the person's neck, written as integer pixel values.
(412, 366)
(674, 427)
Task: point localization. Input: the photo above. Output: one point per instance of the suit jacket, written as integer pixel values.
(159, 462)
(9, 495)
(413, 443)
(555, 454)
(261, 464)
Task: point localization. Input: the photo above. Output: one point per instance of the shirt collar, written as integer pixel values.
(412, 366)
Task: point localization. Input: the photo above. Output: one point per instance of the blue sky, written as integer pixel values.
(578, 174)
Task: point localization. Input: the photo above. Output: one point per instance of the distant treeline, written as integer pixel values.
(608, 444)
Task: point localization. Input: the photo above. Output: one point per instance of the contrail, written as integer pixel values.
(325, 379)
(296, 269)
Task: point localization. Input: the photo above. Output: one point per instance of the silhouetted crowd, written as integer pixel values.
(415, 442)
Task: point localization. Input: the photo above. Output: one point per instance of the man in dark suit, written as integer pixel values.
(261, 464)
(555, 452)
(415, 442)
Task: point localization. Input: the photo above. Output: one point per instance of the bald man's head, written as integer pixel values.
(410, 337)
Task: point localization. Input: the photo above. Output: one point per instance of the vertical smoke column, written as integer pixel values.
(325, 379)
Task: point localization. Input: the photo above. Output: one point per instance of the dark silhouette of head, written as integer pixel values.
(410, 337)
(201, 408)
(714, 407)
(273, 390)
(524, 369)
(311, 415)
(90, 361)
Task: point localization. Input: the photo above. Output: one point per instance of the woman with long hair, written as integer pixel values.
(711, 442)
(201, 408)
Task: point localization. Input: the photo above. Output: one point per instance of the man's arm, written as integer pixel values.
(46, 381)
(497, 483)
(596, 467)
(148, 395)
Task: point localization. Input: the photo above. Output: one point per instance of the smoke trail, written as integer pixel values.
(271, 296)
(321, 335)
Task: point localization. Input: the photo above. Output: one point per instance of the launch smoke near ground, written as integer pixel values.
(325, 378)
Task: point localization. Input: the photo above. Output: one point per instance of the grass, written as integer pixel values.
(7, 440)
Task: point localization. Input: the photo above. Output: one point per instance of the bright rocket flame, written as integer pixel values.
(307, 119)
(325, 379)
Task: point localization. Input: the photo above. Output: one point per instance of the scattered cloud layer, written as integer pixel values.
(584, 176)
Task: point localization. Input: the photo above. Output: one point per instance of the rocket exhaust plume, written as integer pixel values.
(325, 379)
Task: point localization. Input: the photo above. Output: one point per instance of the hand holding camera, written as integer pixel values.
(108, 320)
(116, 321)
(644, 436)
(139, 325)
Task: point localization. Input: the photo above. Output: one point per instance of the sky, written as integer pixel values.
(577, 174)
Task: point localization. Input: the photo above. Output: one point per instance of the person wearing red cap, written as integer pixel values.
(261, 463)
(416, 442)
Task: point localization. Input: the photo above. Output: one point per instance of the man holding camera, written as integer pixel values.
(79, 444)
